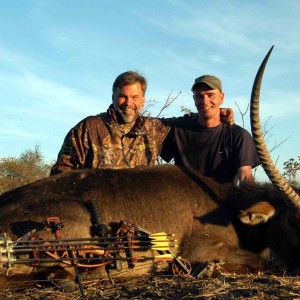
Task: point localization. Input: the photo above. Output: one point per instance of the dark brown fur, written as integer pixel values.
(204, 215)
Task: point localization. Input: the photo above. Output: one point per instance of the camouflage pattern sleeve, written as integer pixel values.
(169, 122)
(73, 151)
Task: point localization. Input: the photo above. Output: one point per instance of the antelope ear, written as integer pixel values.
(256, 214)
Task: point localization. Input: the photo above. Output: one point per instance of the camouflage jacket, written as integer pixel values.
(99, 142)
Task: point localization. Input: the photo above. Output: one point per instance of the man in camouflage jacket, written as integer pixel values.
(120, 138)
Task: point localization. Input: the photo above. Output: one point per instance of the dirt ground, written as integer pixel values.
(167, 287)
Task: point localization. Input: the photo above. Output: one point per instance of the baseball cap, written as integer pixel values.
(211, 81)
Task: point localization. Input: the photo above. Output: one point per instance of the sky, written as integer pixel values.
(59, 58)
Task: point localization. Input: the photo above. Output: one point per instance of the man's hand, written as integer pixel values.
(227, 116)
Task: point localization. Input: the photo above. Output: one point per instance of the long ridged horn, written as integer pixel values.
(274, 175)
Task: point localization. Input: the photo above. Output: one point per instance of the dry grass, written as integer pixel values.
(163, 287)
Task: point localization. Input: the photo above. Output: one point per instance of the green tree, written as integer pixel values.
(18, 171)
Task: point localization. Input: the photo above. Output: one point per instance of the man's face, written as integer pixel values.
(207, 102)
(128, 102)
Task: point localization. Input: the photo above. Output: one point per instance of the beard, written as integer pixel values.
(128, 114)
